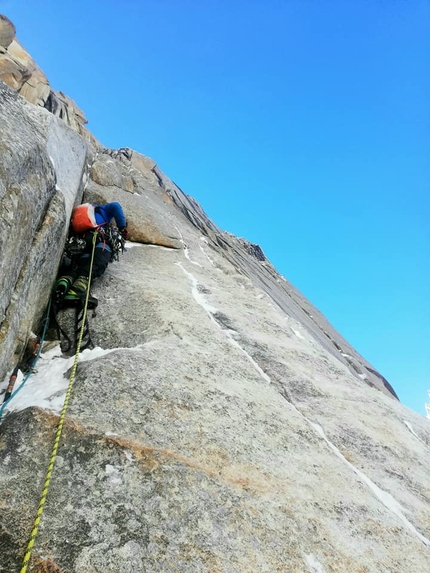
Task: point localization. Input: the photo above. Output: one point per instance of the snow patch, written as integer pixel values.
(313, 564)
(298, 334)
(207, 256)
(198, 296)
(410, 428)
(114, 474)
(210, 310)
(186, 250)
(129, 245)
(46, 388)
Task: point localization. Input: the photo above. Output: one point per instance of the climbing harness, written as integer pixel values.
(30, 368)
(27, 556)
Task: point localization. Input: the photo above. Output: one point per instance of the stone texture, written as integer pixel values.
(7, 31)
(283, 293)
(114, 177)
(20, 72)
(191, 446)
(224, 427)
(66, 109)
(41, 170)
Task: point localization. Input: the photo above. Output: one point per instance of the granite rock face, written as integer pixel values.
(20, 72)
(7, 32)
(215, 433)
(220, 425)
(41, 176)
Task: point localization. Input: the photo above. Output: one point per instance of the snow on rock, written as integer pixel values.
(47, 387)
(298, 334)
(386, 498)
(313, 564)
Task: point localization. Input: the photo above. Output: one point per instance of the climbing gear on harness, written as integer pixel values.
(112, 237)
(39, 513)
(75, 246)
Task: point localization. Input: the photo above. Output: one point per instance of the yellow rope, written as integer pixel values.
(35, 529)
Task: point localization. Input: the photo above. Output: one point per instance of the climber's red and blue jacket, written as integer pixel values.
(105, 214)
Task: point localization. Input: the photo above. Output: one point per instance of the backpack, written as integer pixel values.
(84, 218)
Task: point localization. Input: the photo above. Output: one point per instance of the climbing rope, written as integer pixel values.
(33, 364)
(40, 509)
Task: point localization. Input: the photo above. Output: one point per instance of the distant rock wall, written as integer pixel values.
(20, 72)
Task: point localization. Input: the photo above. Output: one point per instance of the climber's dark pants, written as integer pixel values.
(100, 263)
(81, 268)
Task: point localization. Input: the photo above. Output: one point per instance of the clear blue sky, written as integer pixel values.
(300, 125)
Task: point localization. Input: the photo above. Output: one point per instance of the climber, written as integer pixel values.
(72, 284)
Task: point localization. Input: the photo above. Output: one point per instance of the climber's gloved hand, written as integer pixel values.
(124, 232)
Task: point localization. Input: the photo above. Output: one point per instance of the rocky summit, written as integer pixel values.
(218, 423)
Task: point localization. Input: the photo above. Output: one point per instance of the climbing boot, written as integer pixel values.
(77, 294)
(72, 298)
(80, 286)
(61, 287)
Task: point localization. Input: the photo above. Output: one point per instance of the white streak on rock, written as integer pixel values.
(386, 498)
(410, 428)
(313, 564)
(198, 296)
(158, 247)
(249, 357)
(186, 250)
(298, 334)
(207, 256)
(200, 299)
